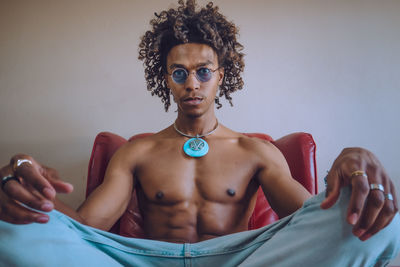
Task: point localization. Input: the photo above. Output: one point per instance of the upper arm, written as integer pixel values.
(108, 201)
(284, 194)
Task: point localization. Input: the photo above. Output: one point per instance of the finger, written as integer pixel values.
(395, 203)
(31, 174)
(332, 190)
(60, 186)
(12, 212)
(374, 203)
(359, 194)
(373, 207)
(380, 223)
(386, 215)
(54, 179)
(17, 192)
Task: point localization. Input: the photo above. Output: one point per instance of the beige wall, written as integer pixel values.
(69, 69)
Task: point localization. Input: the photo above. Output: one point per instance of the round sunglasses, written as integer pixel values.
(203, 74)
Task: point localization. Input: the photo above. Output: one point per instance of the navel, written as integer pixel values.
(159, 195)
(231, 192)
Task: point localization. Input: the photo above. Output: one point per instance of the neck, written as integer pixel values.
(196, 126)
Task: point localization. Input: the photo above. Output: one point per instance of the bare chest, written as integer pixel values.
(224, 175)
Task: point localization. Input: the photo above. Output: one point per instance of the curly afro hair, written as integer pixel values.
(187, 25)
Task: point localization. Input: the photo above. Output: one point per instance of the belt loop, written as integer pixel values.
(187, 254)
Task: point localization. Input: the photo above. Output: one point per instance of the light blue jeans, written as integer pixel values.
(309, 237)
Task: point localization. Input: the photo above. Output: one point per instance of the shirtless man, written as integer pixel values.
(187, 193)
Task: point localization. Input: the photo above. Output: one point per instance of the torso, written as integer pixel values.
(185, 199)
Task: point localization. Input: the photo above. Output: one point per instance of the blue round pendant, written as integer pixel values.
(195, 147)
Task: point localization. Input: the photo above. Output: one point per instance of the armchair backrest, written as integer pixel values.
(298, 149)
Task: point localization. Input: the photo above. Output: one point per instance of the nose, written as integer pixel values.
(192, 83)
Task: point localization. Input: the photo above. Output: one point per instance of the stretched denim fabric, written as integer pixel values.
(309, 237)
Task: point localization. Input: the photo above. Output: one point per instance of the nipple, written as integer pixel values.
(159, 195)
(231, 192)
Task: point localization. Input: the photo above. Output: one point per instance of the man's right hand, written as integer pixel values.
(37, 190)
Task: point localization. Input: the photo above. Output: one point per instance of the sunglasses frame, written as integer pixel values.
(191, 72)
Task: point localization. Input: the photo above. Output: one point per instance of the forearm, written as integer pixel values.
(67, 210)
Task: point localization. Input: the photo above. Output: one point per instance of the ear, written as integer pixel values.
(221, 72)
(169, 88)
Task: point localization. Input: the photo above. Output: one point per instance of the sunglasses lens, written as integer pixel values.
(204, 74)
(179, 76)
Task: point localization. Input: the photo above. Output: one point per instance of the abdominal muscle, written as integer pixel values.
(188, 222)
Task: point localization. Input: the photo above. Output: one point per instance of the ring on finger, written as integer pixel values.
(19, 162)
(358, 173)
(377, 187)
(8, 178)
(389, 196)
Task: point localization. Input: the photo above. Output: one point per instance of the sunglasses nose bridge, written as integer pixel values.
(192, 81)
(194, 74)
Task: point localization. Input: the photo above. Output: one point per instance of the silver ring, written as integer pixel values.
(6, 179)
(19, 162)
(389, 196)
(377, 187)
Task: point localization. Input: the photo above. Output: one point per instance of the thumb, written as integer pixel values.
(60, 186)
(332, 191)
(54, 179)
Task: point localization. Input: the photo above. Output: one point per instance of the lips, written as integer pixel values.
(193, 100)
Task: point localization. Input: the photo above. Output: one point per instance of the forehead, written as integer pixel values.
(192, 54)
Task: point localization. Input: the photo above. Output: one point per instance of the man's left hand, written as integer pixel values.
(373, 202)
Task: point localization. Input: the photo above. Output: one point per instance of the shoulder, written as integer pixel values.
(146, 142)
(131, 150)
(258, 146)
(263, 150)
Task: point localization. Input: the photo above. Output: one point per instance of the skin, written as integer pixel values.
(194, 203)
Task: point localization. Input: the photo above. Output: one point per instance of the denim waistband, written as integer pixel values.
(220, 245)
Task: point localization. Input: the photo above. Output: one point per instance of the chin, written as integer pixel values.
(193, 113)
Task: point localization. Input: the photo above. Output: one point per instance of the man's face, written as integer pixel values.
(193, 77)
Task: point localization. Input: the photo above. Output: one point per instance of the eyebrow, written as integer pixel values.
(174, 65)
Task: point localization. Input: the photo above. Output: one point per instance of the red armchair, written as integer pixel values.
(298, 149)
